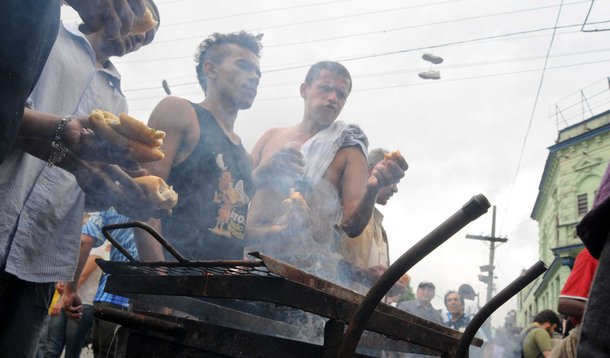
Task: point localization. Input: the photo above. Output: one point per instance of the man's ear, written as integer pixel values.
(209, 68)
(303, 90)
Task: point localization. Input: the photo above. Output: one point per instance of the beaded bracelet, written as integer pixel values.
(58, 148)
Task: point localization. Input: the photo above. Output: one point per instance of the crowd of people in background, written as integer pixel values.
(51, 166)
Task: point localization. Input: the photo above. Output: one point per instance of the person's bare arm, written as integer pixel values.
(259, 147)
(359, 190)
(357, 203)
(270, 160)
(90, 266)
(174, 116)
(267, 217)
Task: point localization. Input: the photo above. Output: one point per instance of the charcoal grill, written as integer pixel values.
(219, 330)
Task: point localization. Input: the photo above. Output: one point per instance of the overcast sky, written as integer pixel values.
(462, 135)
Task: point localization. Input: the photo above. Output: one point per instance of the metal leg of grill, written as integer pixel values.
(498, 300)
(473, 209)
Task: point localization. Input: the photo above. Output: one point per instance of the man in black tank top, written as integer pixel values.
(204, 160)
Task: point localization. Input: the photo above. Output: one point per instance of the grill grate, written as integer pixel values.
(191, 268)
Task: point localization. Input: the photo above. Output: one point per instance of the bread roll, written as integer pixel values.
(143, 141)
(135, 129)
(102, 121)
(143, 153)
(158, 192)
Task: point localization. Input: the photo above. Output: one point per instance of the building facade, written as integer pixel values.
(571, 177)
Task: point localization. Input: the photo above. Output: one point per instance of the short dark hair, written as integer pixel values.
(426, 284)
(547, 316)
(332, 66)
(466, 289)
(212, 49)
(375, 156)
(450, 292)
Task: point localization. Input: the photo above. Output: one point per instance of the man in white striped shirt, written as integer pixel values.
(41, 205)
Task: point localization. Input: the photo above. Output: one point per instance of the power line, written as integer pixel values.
(376, 74)
(373, 32)
(317, 20)
(587, 17)
(156, 80)
(412, 84)
(450, 43)
(236, 15)
(367, 13)
(531, 119)
(254, 13)
(485, 76)
(443, 22)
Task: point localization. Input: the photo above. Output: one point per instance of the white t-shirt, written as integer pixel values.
(470, 308)
(87, 290)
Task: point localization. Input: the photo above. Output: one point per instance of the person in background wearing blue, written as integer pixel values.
(455, 307)
(105, 344)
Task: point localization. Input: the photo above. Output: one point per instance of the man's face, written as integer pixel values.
(325, 97)
(386, 193)
(236, 78)
(425, 293)
(551, 329)
(454, 304)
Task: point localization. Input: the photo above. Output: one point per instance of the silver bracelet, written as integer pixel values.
(58, 148)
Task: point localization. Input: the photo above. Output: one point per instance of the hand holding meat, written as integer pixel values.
(388, 171)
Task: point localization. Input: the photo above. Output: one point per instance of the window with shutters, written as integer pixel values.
(583, 205)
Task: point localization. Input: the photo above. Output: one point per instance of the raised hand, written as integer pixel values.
(388, 171)
(114, 16)
(287, 164)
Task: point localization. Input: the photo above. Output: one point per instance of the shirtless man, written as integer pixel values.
(330, 171)
(204, 160)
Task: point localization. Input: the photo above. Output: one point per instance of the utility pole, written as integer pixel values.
(489, 280)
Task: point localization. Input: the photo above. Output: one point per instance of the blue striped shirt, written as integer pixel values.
(93, 228)
(42, 207)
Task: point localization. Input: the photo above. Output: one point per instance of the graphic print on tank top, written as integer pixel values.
(231, 199)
